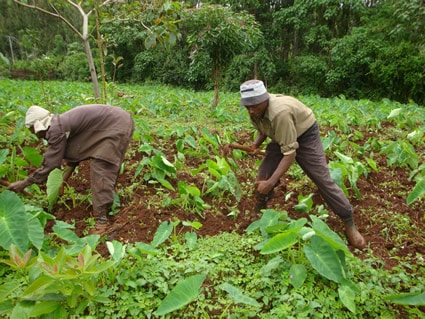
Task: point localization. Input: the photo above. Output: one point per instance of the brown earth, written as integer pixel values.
(140, 215)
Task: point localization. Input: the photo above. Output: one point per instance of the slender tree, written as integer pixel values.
(85, 10)
(219, 34)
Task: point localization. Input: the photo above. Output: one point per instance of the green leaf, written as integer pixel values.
(166, 184)
(298, 274)
(269, 218)
(280, 242)
(191, 239)
(3, 155)
(32, 155)
(54, 183)
(162, 233)
(182, 294)
(411, 299)
(324, 259)
(191, 141)
(7, 288)
(22, 310)
(305, 203)
(417, 192)
(143, 248)
(322, 230)
(38, 287)
(395, 113)
(45, 307)
(347, 296)
(35, 231)
(116, 249)
(63, 230)
(13, 221)
(237, 295)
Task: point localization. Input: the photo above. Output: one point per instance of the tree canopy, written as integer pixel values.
(360, 49)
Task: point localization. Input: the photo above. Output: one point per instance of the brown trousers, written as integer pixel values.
(311, 158)
(103, 176)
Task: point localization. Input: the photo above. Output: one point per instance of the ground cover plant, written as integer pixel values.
(185, 242)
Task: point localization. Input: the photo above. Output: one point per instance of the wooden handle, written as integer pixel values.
(245, 148)
(6, 183)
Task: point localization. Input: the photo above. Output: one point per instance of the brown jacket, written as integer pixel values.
(84, 132)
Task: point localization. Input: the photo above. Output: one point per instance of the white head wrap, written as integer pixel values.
(38, 117)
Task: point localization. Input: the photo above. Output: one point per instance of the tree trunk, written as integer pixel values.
(215, 77)
(92, 67)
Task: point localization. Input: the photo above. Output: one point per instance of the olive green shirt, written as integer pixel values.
(285, 119)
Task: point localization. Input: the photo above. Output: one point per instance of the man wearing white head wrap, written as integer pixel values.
(97, 132)
(38, 118)
(294, 135)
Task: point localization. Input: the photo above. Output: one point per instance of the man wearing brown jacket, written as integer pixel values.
(97, 132)
(294, 135)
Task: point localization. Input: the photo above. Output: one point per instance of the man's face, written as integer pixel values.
(40, 134)
(257, 111)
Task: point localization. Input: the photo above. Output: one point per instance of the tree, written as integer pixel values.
(215, 35)
(85, 10)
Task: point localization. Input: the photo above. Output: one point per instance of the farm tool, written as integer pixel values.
(6, 184)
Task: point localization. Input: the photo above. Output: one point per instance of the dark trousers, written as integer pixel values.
(104, 176)
(311, 158)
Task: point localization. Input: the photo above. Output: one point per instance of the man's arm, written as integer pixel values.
(258, 141)
(266, 186)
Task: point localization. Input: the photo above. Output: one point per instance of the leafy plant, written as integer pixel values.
(61, 286)
(221, 178)
(323, 248)
(347, 169)
(20, 225)
(400, 153)
(159, 167)
(189, 198)
(305, 203)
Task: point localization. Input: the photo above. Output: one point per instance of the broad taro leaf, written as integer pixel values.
(324, 259)
(237, 295)
(33, 155)
(54, 183)
(182, 294)
(13, 221)
(411, 298)
(162, 233)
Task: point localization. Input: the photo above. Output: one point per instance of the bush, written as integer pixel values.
(245, 67)
(162, 65)
(308, 73)
(399, 73)
(75, 67)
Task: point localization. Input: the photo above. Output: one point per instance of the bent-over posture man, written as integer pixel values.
(97, 132)
(294, 135)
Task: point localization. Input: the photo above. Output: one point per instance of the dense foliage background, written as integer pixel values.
(356, 48)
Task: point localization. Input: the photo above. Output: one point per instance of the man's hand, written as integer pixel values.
(264, 187)
(227, 150)
(19, 186)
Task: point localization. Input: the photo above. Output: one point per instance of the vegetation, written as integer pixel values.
(358, 49)
(281, 265)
